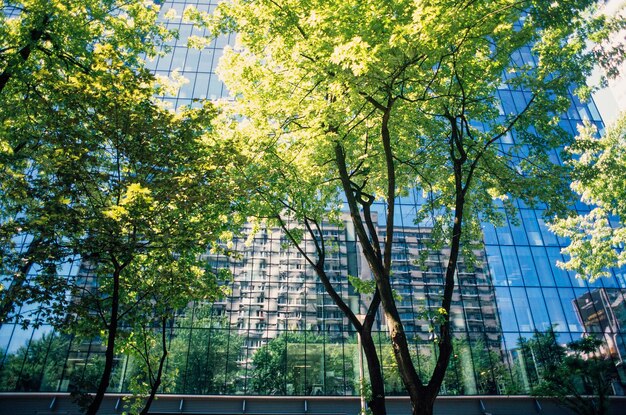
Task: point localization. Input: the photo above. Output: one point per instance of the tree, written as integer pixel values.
(40, 39)
(149, 347)
(367, 100)
(597, 237)
(146, 336)
(575, 375)
(133, 189)
(96, 169)
(145, 213)
(473, 369)
(46, 47)
(166, 359)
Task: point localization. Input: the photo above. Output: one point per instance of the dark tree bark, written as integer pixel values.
(422, 395)
(109, 354)
(377, 383)
(34, 36)
(156, 381)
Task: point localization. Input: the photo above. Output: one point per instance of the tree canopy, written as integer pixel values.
(597, 237)
(95, 169)
(48, 51)
(339, 104)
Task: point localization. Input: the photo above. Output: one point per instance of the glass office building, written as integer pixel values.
(279, 333)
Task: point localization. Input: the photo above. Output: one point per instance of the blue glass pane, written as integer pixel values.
(519, 233)
(555, 309)
(496, 268)
(504, 234)
(532, 227)
(539, 310)
(549, 238)
(527, 265)
(506, 309)
(511, 266)
(522, 309)
(560, 276)
(542, 264)
(571, 315)
(489, 234)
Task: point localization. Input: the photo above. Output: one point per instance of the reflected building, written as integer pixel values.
(279, 333)
(602, 313)
(276, 292)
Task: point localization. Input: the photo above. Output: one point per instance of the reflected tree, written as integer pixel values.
(577, 376)
(270, 374)
(36, 366)
(303, 364)
(474, 368)
(492, 374)
(205, 359)
(540, 355)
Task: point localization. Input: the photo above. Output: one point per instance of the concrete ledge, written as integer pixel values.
(61, 404)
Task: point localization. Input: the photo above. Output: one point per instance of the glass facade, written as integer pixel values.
(279, 333)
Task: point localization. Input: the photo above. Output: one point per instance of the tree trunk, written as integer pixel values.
(377, 401)
(110, 350)
(409, 375)
(424, 405)
(422, 396)
(157, 382)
